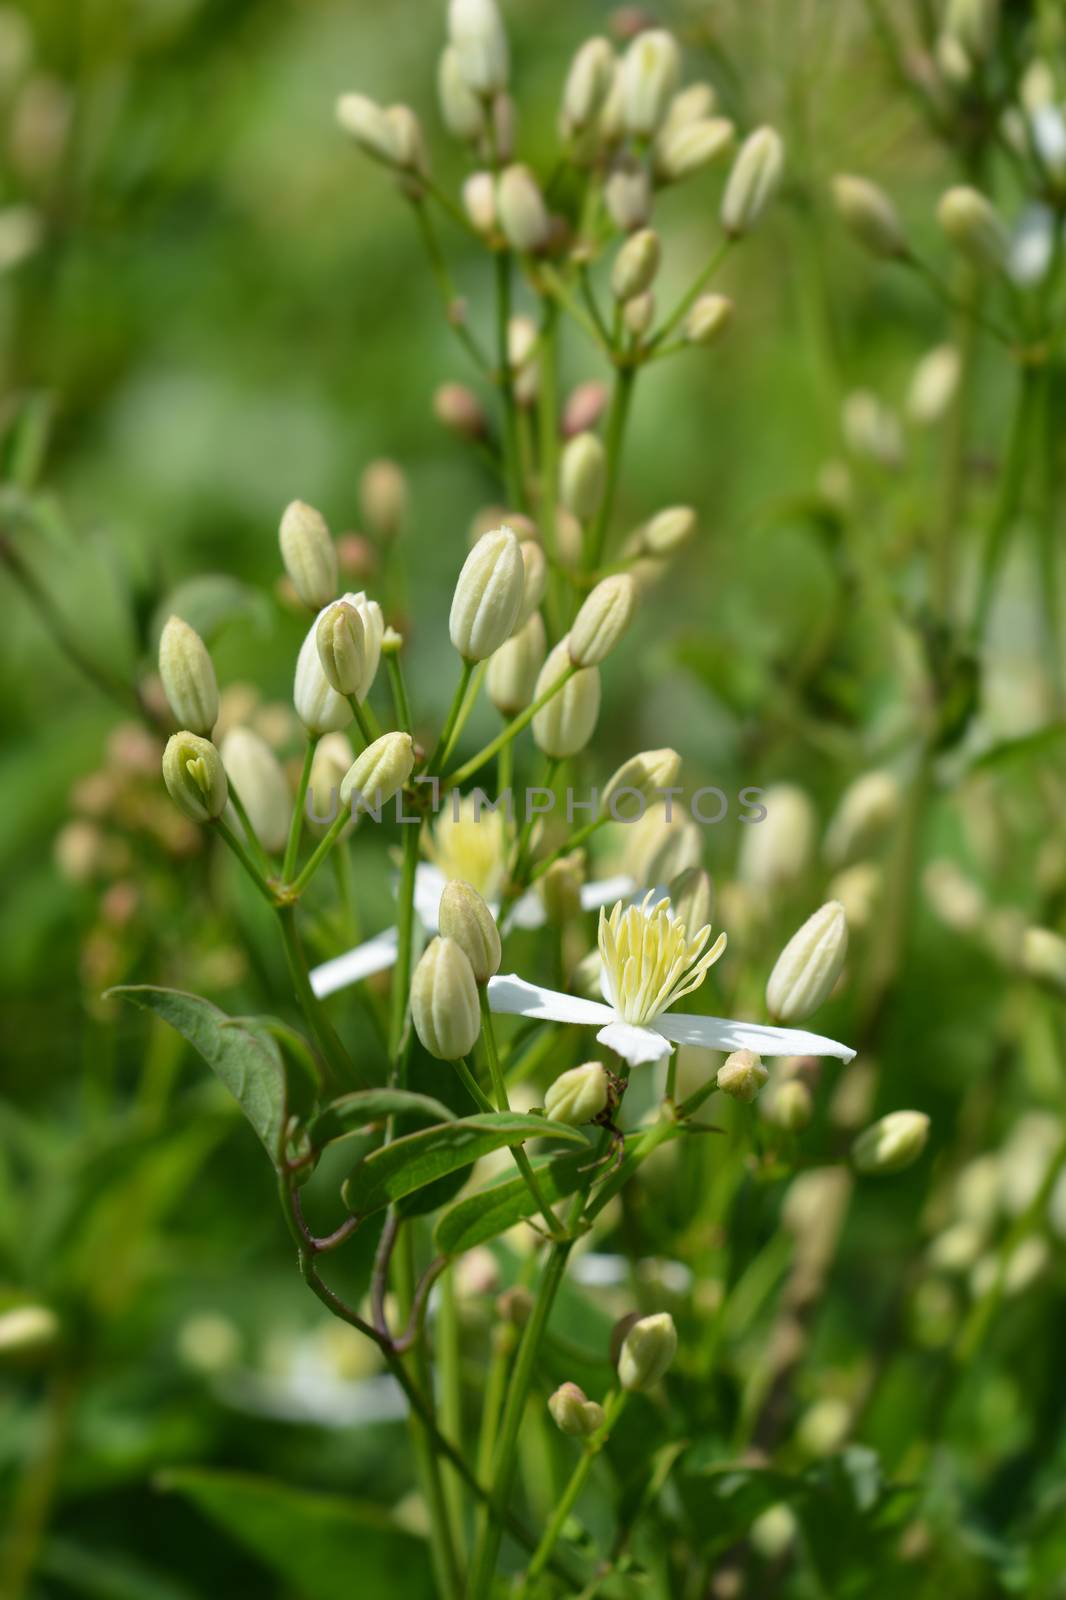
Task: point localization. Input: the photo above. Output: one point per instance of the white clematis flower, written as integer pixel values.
(648, 962)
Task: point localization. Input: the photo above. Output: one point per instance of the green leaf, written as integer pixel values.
(108, 1574)
(506, 1201)
(723, 1500)
(249, 1064)
(407, 1164)
(324, 1546)
(354, 1111)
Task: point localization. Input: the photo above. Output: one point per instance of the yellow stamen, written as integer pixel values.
(470, 848)
(649, 961)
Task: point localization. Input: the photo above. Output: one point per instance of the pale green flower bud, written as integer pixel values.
(513, 668)
(694, 104)
(444, 1001)
(627, 194)
(475, 29)
(534, 581)
(872, 429)
(668, 530)
(574, 1413)
(753, 181)
(710, 316)
(657, 850)
(742, 1075)
(374, 131)
(30, 1329)
(973, 23)
(319, 707)
(651, 68)
(867, 808)
(776, 851)
(1044, 957)
(332, 759)
(462, 110)
(809, 965)
(686, 147)
(479, 201)
(383, 497)
(602, 620)
(259, 779)
(410, 143)
(638, 314)
(195, 777)
(636, 264)
(379, 772)
(587, 86)
(521, 347)
(645, 774)
(460, 410)
(373, 620)
(692, 897)
(465, 917)
(869, 215)
(891, 1144)
(308, 553)
(488, 595)
(521, 210)
(579, 1095)
(974, 226)
(341, 650)
(934, 385)
(823, 1427)
(583, 476)
(188, 676)
(565, 725)
(560, 888)
(790, 1106)
(647, 1351)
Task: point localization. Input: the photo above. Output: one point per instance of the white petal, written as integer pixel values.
(638, 1046)
(721, 1033)
(606, 891)
(374, 956)
(513, 995)
(429, 886)
(527, 912)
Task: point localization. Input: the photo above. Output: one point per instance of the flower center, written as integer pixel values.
(471, 847)
(649, 961)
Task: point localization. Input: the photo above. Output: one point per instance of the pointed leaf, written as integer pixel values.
(490, 1211)
(354, 1111)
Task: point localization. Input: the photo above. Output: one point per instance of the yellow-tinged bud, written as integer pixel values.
(693, 104)
(973, 225)
(1044, 957)
(188, 676)
(583, 476)
(195, 777)
(627, 194)
(444, 1002)
(488, 595)
(534, 580)
(638, 314)
(476, 32)
(308, 553)
(647, 1351)
(809, 965)
(259, 779)
(370, 126)
(668, 530)
(460, 410)
(379, 772)
(602, 620)
(867, 807)
(410, 143)
(869, 215)
(341, 648)
(574, 1413)
(891, 1144)
(521, 210)
(742, 1075)
(643, 776)
(560, 888)
(465, 917)
(565, 725)
(651, 68)
(461, 108)
(513, 668)
(383, 497)
(579, 1095)
(753, 181)
(636, 264)
(790, 1106)
(934, 385)
(479, 201)
(710, 316)
(521, 355)
(692, 898)
(587, 86)
(688, 146)
(28, 1330)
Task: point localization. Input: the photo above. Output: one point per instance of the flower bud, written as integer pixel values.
(777, 850)
(646, 775)
(460, 410)
(1043, 957)
(564, 726)
(753, 181)
(867, 807)
(587, 86)
(809, 965)
(370, 126)
(872, 429)
(515, 1305)
(974, 226)
(513, 668)
(934, 385)
(651, 68)
(973, 24)
(409, 140)
(339, 642)
(790, 1106)
(584, 407)
(444, 1001)
(668, 530)
(636, 264)
(28, 1330)
(534, 580)
(504, 127)
(638, 314)
(685, 148)
(579, 1095)
(462, 110)
(195, 777)
(476, 32)
(574, 1413)
(560, 888)
(464, 917)
(332, 759)
(694, 104)
(379, 772)
(308, 553)
(319, 707)
(602, 620)
(188, 676)
(479, 201)
(647, 1350)
(521, 357)
(891, 1144)
(383, 498)
(869, 215)
(488, 595)
(627, 194)
(259, 779)
(710, 315)
(692, 898)
(742, 1075)
(521, 210)
(583, 476)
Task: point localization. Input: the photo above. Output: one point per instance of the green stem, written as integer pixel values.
(568, 1499)
(405, 923)
(511, 457)
(454, 311)
(692, 294)
(333, 1051)
(452, 718)
(254, 842)
(469, 702)
(499, 1089)
(34, 1496)
(359, 712)
(292, 848)
(559, 291)
(548, 433)
(513, 728)
(231, 839)
(398, 685)
(573, 843)
(471, 1085)
(321, 851)
(615, 436)
(1007, 502)
(451, 1388)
